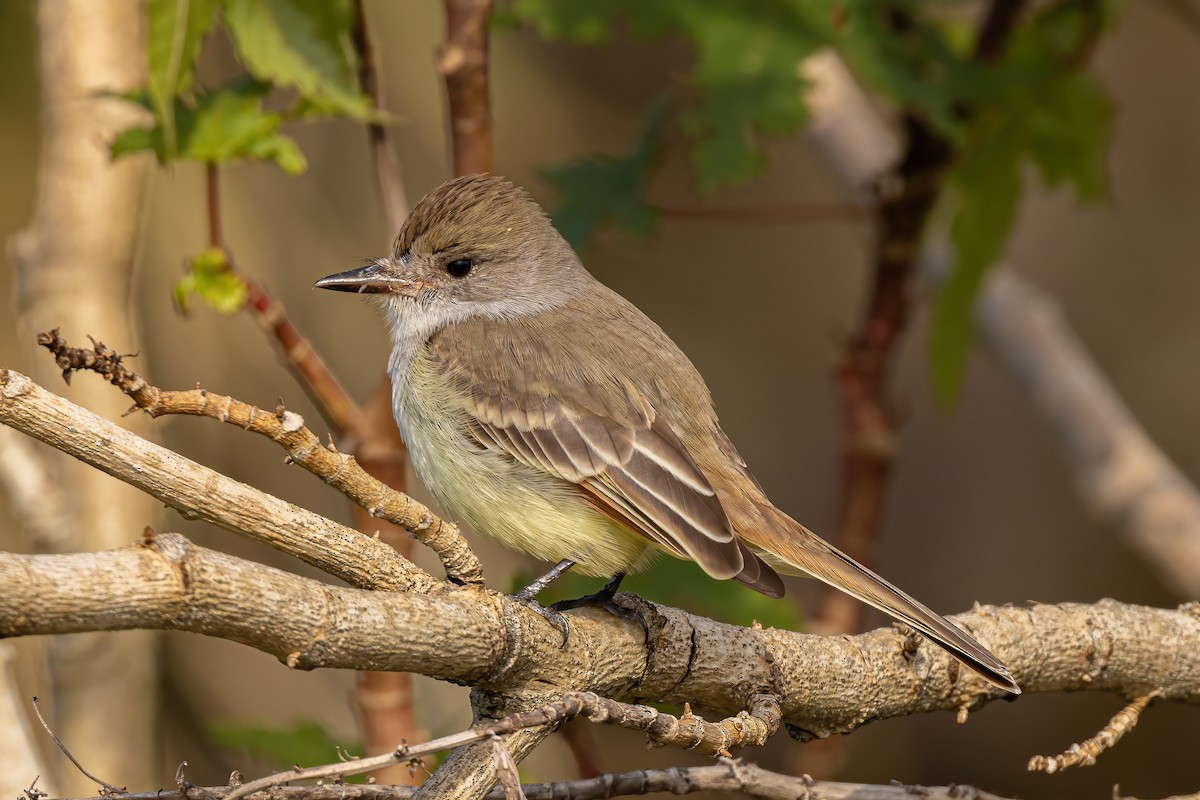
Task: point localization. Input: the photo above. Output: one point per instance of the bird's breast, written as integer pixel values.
(521, 506)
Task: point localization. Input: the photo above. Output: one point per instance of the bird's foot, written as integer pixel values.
(551, 615)
(528, 598)
(604, 599)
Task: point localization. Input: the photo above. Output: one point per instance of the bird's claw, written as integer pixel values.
(551, 615)
(604, 599)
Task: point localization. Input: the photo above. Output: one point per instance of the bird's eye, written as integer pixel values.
(459, 267)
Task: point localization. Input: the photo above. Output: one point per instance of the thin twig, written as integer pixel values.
(1085, 753)
(312, 373)
(287, 429)
(689, 732)
(109, 788)
(383, 152)
(728, 775)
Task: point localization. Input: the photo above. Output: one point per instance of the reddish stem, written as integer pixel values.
(463, 63)
(384, 700)
(216, 238)
(906, 199)
(312, 373)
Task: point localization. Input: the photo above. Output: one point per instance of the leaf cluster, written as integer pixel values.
(299, 65)
(299, 46)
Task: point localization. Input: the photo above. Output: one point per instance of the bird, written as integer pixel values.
(550, 413)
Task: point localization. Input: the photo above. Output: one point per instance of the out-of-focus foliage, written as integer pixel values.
(603, 189)
(306, 744)
(222, 125)
(745, 83)
(1029, 104)
(298, 45)
(209, 276)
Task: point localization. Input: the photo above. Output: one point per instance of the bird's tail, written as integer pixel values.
(802, 551)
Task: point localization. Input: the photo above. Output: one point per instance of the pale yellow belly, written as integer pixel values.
(520, 506)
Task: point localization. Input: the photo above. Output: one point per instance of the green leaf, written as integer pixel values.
(210, 277)
(302, 44)
(602, 189)
(306, 743)
(1069, 133)
(1034, 106)
(176, 29)
(747, 58)
(134, 140)
(227, 123)
(988, 186)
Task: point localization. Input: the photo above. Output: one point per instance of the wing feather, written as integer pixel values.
(600, 432)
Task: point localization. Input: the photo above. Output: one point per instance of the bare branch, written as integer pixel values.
(729, 775)
(1120, 473)
(201, 493)
(826, 685)
(1085, 753)
(287, 429)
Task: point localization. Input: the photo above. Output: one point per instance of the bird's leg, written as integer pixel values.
(528, 598)
(603, 597)
(531, 591)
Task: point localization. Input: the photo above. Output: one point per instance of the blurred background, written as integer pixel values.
(981, 508)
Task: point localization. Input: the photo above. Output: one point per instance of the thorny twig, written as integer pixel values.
(689, 731)
(287, 429)
(1085, 753)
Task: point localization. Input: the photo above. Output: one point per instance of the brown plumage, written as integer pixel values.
(551, 413)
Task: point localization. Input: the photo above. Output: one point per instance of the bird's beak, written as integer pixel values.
(374, 278)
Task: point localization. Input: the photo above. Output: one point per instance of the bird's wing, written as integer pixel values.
(601, 433)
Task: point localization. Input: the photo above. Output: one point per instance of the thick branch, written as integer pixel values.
(200, 493)
(826, 685)
(1121, 474)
